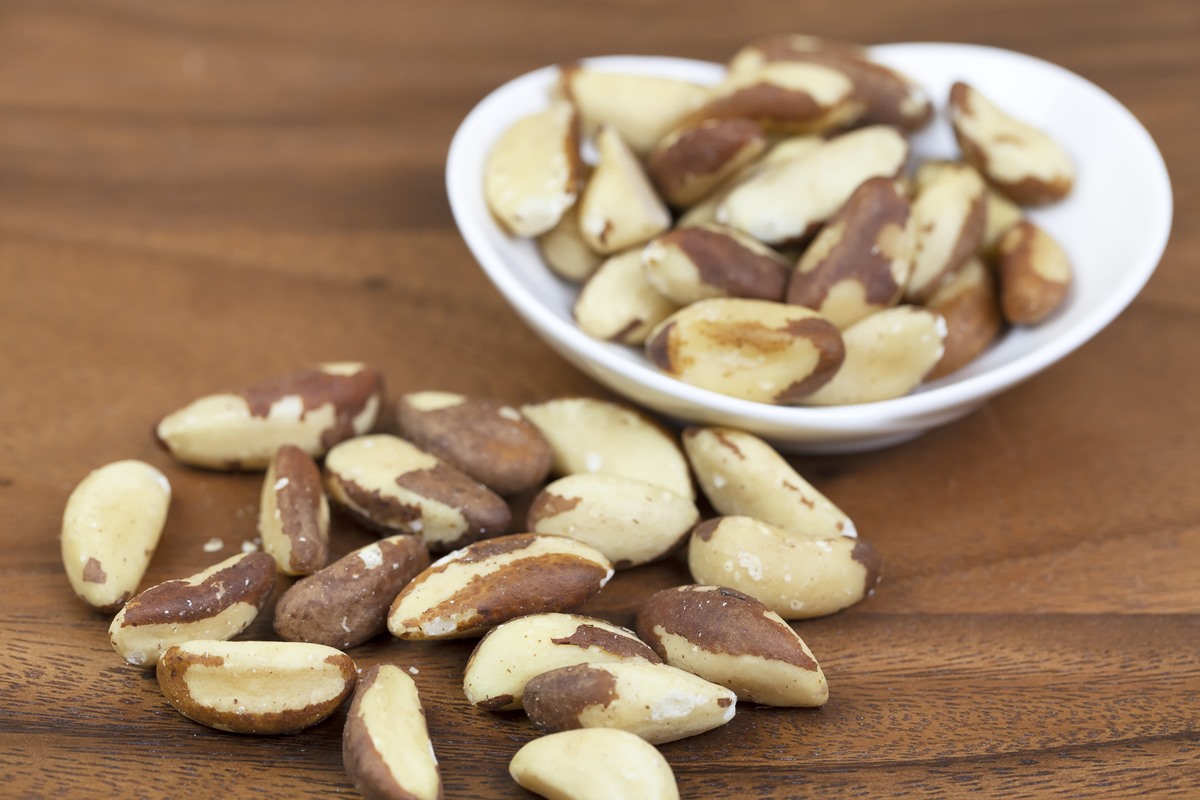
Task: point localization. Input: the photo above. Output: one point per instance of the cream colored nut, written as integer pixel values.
(887, 97)
(859, 263)
(512, 653)
(217, 603)
(386, 748)
(887, 355)
(531, 176)
(696, 263)
(740, 474)
(618, 304)
(565, 252)
(1001, 214)
(1022, 161)
(392, 486)
(795, 576)
(631, 522)
(313, 409)
(752, 349)
(620, 207)
(589, 435)
(657, 702)
(642, 108)
(489, 582)
(786, 97)
(691, 161)
(293, 516)
(347, 603)
(733, 640)
(265, 688)
(971, 309)
(489, 441)
(794, 197)
(950, 218)
(593, 764)
(1035, 274)
(110, 529)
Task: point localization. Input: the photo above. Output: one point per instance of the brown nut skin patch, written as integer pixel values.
(303, 512)
(586, 636)
(687, 164)
(346, 603)
(555, 700)
(487, 440)
(1034, 272)
(250, 581)
(822, 101)
(365, 765)
(970, 305)
(724, 265)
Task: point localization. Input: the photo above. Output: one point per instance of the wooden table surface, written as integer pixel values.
(196, 195)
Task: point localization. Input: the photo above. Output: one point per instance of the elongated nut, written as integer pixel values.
(696, 263)
(593, 764)
(791, 199)
(385, 744)
(786, 97)
(691, 161)
(590, 435)
(217, 603)
(111, 526)
(265, 688)
(1001, 214)
(732, 639)
(631, 522)
(1035, 274)
(515, 651)
(532, 172)
(741, 474)
(752, 349)
(657, 702)
(347, 603)
(642, 108)
(392, 486)
(486, 583)
(859, 263)
(971, 309)
(1022, 161)
(565, 252)
(618, 304)
(795, 576)
(293, 516)
(887, 355)
(313, 409)
(489, 441)
(620, 207)
(950, 218)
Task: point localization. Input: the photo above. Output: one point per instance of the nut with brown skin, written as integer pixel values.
(797, 577)
(631, 522)
(313, 409)
(859, 263)
(531, 175)
(111, 526)
(264, 688)
(733, 640)
(1020, 160)
(217, 603)
(1002, 213)
(971, 309)
(593, 764)
(741, 474)
(347, 603)
(515, 651)
(700, 262)
(293, 516)
(1035, 274)
(392, 486)
(752, 349)
(950, 218)
(386, 748)
(657, 702)
(785, 97)
(489, 441)
(618, 304)
(691, 161)
(619, 208)
(490, 582)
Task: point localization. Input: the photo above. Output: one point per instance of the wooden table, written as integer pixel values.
(196, 195)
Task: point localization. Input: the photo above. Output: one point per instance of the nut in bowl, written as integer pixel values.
(1112, 227)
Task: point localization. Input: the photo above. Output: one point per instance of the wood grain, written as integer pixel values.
(197, 195)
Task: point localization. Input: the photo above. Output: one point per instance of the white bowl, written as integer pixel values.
(1114, 226)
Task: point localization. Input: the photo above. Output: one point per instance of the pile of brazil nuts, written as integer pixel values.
(611, 490)
(764, 237)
